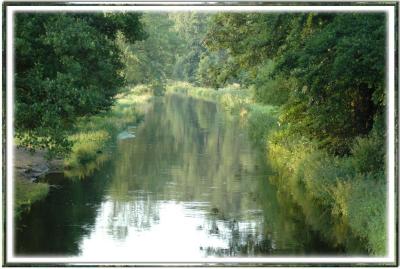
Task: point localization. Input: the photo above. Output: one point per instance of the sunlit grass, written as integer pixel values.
(89, 141)
(27, 192)
(94, 133)
(353, 198)
(232, 98)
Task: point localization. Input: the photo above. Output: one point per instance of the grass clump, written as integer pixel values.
(27, 192)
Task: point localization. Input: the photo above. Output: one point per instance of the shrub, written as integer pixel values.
(261, 121)
(231, 98)
(178, 87)
(368, 154)
(271, 90)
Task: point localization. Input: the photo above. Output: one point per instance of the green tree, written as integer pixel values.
(333, 66)
(67, 66)
(151, 61)
(215, 69)
(191, 28)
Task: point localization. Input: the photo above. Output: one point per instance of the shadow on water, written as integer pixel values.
(55, 225)
(190, 182)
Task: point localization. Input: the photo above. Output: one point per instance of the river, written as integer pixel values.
(189, 184)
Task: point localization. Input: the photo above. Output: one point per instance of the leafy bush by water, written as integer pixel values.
(262, 120)
(271, 90)
(141, 89)
(369, 153)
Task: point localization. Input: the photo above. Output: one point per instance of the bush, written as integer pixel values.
(261, 121)
(231, 98)
(179, 87)
(369, 154)
(271, 90)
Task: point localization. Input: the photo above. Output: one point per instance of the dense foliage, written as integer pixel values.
(172, 50)
(151, 60)
(332, 64)
(67, 66)
(311, 87)
(324, 75)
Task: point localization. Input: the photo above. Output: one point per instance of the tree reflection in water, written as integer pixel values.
(189, 151)
(190, 183)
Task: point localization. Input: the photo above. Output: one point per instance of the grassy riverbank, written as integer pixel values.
(340, 196)
(96, 132)
(90, 140)
(260, 118)
(344, 198)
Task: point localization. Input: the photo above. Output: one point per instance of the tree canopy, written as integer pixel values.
(326, 70)
(333, 66)
(67, 66)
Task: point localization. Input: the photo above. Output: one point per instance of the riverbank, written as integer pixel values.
(261, 118)
(91, 140)
(343, 198)
(29, 166)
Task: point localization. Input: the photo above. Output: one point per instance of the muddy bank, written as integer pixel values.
(28, 168)
(32, 165)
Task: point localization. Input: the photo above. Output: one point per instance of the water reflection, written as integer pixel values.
(55, 225)
(189, 185)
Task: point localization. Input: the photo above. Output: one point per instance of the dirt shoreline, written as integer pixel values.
(30, 166)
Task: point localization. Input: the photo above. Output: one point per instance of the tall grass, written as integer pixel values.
(232, 98)
(354, 200)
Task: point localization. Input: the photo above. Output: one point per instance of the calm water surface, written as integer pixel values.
(189, 185)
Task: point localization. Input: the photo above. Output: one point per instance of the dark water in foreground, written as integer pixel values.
(189, 185)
